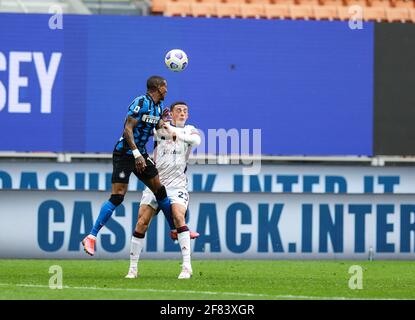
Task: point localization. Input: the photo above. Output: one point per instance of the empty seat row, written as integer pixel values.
(365, 3)
(173, 8)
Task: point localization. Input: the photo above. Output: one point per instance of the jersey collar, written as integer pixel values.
(173, 125)
(151, 98)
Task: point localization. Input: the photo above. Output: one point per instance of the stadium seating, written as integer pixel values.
(325, 13)
(229, 10)
(253, 11)
(278, 11)
(402, 3)
(177, 8)
(301, 12)
(204, 10)
(371, 10)
(397, 14)
(260, 1)
(378, 3)
(343, 13)
(158, 6)
(233, 1)
(374, 14)
(399, 11)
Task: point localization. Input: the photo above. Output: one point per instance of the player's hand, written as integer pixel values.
(140, 164)
(166, 116)
(170, 132)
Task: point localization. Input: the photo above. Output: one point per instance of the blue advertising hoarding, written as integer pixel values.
(307, 85)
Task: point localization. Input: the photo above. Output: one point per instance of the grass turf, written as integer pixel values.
(212, 279)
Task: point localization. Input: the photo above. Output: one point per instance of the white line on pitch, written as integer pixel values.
(257, 295)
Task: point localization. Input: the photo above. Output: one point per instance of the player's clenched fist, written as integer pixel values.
(140, 164)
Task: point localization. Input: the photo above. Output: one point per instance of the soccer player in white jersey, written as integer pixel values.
(174, 142)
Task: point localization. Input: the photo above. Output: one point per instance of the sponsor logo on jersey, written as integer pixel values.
(171, 152)
(150, 119)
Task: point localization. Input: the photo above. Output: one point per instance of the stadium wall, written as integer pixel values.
(286, 212)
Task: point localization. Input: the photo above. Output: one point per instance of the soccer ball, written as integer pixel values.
(176, 60)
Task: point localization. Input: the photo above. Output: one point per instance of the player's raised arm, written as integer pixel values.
(192, 138)
(129, 137)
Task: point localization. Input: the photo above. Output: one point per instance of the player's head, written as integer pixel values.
(157, 86)
(179, 113)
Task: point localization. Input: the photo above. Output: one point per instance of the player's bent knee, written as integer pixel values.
(116, 199)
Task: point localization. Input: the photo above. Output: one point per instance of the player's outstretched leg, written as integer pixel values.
(107, 209)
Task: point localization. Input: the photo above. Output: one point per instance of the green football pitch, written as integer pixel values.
(212, 279)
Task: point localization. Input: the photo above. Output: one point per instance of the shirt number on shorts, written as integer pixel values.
(184, 195)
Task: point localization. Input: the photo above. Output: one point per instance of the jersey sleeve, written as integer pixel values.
(137, 107)
(193, 130)
(191, 136)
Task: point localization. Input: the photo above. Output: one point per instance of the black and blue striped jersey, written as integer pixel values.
(148, 115)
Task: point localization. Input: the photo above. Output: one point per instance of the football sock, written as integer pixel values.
(106, 211)
(137, 245)
(184, 242)
(164, 204)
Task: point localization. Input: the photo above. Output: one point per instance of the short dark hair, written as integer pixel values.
(154, 82)
(177, 103)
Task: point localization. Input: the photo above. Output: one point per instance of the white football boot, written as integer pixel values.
(186, 272)
(132, 274)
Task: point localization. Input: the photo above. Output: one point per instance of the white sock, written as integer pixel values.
(184, 242)
(136, 246)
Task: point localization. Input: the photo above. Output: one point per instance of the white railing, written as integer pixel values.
(219, 159)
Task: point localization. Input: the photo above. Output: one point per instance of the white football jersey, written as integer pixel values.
(171, 157)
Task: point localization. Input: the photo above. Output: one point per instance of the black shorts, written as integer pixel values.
(123, 164)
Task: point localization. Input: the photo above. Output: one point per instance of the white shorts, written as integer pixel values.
(176, 195)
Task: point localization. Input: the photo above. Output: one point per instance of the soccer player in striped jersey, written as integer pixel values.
(175, 141)
(130, 156)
